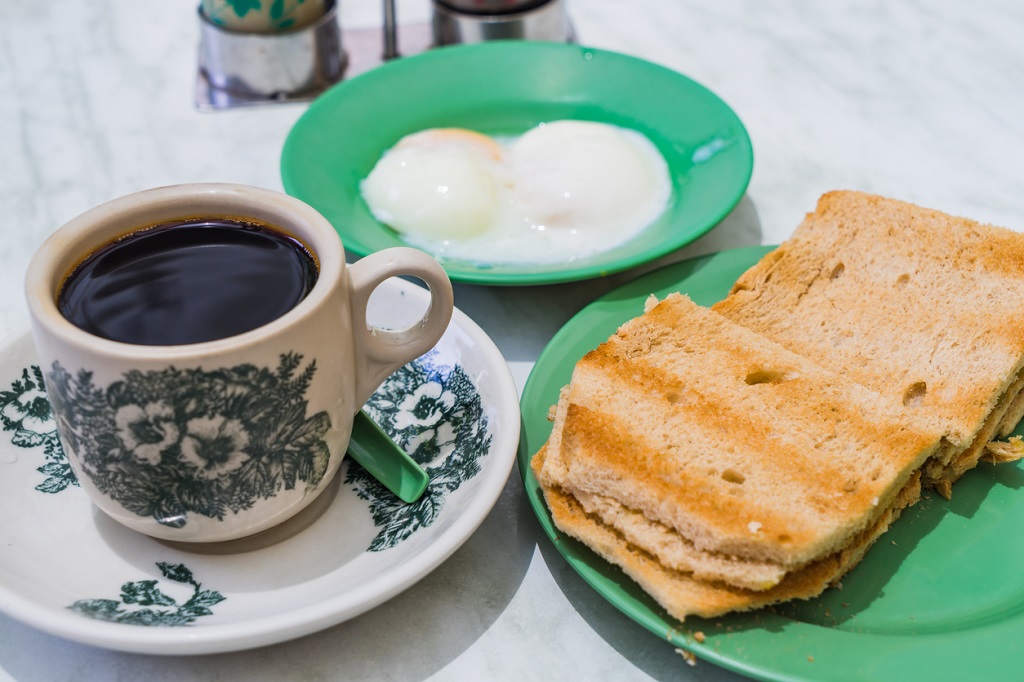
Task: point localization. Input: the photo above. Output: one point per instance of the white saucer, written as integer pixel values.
(67, 569)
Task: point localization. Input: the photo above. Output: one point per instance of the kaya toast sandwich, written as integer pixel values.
(912, 303)
(721, 471)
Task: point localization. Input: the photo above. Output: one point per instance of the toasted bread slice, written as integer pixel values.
(909, 302)
(741, 447)
(680, 593)
(670, 548)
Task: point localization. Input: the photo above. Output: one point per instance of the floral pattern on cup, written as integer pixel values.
(212, 441)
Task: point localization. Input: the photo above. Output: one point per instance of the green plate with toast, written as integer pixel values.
(939, 597)
(505, 88)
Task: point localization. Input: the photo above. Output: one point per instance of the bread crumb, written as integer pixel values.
(810, 659)
(651, 301)
(754, 526)
(690, 659)
(551, 413)
(893, 541)
(699, 636)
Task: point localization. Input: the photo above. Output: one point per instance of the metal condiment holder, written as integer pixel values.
(243, 69)
(238, 69)
(477, 21)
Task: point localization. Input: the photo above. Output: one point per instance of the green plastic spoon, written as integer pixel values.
(385, 461)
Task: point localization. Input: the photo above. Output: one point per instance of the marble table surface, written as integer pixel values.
(919, 101)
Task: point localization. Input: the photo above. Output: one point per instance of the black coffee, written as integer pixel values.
(188, 282)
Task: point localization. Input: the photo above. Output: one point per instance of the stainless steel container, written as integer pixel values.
(475, 21)
(237, 68)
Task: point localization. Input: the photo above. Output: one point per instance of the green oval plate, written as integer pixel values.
(506, 88)
(939, 597)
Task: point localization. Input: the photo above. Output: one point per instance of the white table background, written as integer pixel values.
(922, 101)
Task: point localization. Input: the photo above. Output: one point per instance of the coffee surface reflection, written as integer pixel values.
(188, 282)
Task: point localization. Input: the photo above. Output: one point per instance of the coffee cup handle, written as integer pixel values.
(379, 352)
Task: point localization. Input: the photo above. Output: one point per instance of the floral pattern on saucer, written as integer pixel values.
(434, 412)
(25, 409)
(66, 564)
(143, 602)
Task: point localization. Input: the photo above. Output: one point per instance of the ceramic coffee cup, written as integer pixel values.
(220, 439)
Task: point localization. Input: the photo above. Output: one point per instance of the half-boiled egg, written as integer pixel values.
(438, 184)
(561, 191)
